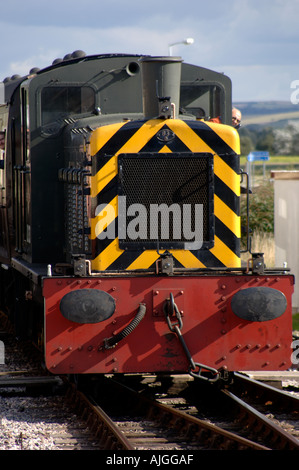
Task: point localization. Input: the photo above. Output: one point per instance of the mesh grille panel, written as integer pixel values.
(159, 189)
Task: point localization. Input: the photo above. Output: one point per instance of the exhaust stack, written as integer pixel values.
(161, 80)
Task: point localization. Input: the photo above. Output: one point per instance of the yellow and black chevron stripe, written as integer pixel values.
(109, 141)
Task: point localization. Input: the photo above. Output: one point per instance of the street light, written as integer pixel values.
(186, 42)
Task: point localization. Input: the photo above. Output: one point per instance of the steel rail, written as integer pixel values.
(277, 437)
(111, 438)
(261, 390)
(208, 435)
(211, 435)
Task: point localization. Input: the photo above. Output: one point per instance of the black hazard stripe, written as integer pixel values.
(226, 194)
(175, 145)
(213, 140)
(116, 142)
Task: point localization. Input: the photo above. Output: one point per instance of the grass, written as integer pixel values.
(296, 322)
(276, 159)
(262, 242)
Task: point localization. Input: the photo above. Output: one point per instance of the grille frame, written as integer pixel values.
(172, 158)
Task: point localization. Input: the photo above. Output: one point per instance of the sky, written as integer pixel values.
(254, 42)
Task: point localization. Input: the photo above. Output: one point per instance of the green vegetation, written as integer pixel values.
(273, 127)
(261, 209)
(262, 197)
(276, 160)
(296, 322)
(283, 139)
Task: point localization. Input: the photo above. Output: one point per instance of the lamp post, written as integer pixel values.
(186, 42)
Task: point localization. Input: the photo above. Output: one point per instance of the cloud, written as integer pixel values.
(253, 41)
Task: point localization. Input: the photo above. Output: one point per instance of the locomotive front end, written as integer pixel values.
(157, 280)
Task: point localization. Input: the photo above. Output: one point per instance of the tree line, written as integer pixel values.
(276, 140)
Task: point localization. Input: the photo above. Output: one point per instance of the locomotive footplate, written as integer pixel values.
(215, 332)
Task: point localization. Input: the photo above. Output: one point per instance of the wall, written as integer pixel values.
(286, 224)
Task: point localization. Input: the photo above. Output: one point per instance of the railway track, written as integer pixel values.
(173, 423)
(140, 413)
(146, 424)
(33, 412)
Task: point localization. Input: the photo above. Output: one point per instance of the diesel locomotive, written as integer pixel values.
(120, 222)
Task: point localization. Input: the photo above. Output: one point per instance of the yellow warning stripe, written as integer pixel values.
(187, 259)
(148, 257)
(227, 175)
(141, 136)
(104, 176)
(102, 135)
(188, 136)
(134, 144)
(101, 221)
(224, 254)
(107, 256)
(110, 170)
(227, 216)
(228, 134)
(145, 260)
(194, 142)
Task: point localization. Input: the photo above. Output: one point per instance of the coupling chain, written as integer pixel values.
(175, 325)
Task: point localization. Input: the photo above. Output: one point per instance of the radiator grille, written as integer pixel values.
(180, 183)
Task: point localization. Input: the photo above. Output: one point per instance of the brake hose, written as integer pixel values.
(111, 342)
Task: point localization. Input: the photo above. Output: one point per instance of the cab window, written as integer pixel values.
(58, 102)
(203, 101)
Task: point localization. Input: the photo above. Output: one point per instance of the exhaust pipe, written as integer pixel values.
(161, 80)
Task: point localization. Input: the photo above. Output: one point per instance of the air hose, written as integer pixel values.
(112, 342)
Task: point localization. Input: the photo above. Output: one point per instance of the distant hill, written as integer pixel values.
(271, 113)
